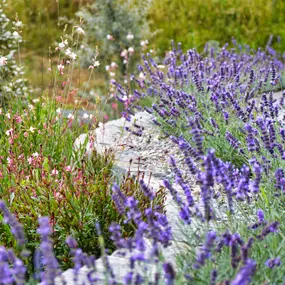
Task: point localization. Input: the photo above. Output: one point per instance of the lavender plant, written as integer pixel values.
(221, 111)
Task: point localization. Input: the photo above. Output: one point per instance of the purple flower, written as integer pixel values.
(245, 274)
(51, 270)
(271, 228)
(273, 262)
(16, 227)
(169, 273)
(205, 251)
(260, 216)
(214, 275)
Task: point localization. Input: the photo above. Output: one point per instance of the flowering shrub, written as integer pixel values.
(45, 177)
(120, 29)
(12, 83)
(220, 109)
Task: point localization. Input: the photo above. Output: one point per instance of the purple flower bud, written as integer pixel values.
(273, 262)
(245, 274)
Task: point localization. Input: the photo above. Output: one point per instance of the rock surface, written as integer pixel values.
(149, 154)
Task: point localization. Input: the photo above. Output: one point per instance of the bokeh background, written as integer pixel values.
(191, 22)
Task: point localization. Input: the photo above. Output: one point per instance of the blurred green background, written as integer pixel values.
(191, 22)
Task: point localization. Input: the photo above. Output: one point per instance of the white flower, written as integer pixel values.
(8, 115)
(31, 107)
(107, 67)
(54, 172)
(96, 63)
(3, 60)
(73, 55)
(110, 37)
(124, 53)
(141, 76)
(32, 129)
(9, 132)
(70, 116)
(85, 116)
(36, 100)
(60, 68)
(58, 110)
(130, 36)
(35, 154)
(16, 35)
(61, 45)
(80, 31)
(131, 50)
(161, 66)
(18, 24)
(114, 64)
(112, 74)
(125, 98)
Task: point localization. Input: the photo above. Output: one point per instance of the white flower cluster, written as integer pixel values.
(12, 82)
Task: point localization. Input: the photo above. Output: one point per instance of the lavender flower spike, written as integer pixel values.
(16, 227)
(51, 265)
(246, 272)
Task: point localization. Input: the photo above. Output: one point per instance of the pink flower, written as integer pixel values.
(131, 50)
(26, 134)
(59, 99)
(3, 60)
(30, 160)
(68, 168)
(9, 132)
(114, 106)
(18, 119)
(54, 172)
(124, 53)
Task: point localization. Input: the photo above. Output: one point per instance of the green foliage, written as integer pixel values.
(108, 23)
(12, 82)
(195, 22)
(43, 20)
(42, 175)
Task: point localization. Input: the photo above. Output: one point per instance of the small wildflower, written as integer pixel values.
(110, 37)
(70, 116)
(124, 53)
(85, 116)
(131, 50)
(16, 35)
(96, 63)
(130, 37)
(35, 154)
(114, 64)
(9, 132)
(68, 168)
(32, 129)
(54, 172)
(61, 45)
(3, 60)
(273, 262)
(60, 68)
(80, 31)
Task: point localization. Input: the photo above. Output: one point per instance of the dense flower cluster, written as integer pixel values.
(220, 109)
